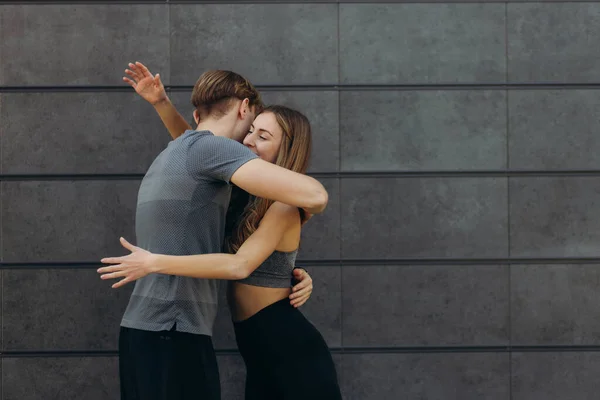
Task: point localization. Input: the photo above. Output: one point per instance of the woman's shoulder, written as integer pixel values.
(290, 219)
(282, 210)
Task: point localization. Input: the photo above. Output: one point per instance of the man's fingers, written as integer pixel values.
(298, 272)
(136, 77)
(298, 302)
(136, 70)
(132, 83)
(135, 73)
(300, 293)
(302, 285)
(133, 68)
(142, 69)
(303, 292)
(302, 297)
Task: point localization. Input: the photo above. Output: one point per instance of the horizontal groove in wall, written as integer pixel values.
(152, 2)
(320, 87)
(338, 350)
(86, 265)
(141, 2)
(464, 349)
(80, 2)
(371, 2)
(70, 177)
(346, 175)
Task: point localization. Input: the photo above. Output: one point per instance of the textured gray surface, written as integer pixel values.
(554, 216)
(454, 376)
(423, 130)
(425, 305)
(86, 44)
(554, 129)
(55, 310)
(555, 304)
(550, 42)
(68, 378)
(387, 218)
(376, 288)
(555, 376)
(288, 44)
(66, 220)
(90, 132)
(422, 43)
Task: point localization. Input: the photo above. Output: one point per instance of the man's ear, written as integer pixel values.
(196, 117)
(244, 108)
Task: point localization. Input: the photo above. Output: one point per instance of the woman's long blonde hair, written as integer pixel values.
(294, 154)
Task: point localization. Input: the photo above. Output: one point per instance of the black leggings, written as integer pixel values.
(286, 357)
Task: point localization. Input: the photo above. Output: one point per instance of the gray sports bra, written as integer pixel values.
(275, 271)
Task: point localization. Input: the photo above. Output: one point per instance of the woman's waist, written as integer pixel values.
(247, 300)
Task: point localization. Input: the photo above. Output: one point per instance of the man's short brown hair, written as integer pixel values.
(215, 91)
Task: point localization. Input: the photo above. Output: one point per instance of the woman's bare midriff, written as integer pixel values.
(246, 300)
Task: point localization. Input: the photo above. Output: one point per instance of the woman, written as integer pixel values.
(272, 335)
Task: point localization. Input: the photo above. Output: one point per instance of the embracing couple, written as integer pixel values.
(224, 202)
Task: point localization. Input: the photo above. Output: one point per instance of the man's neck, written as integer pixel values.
(218, 128)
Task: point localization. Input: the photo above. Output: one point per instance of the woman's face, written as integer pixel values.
(264, 137)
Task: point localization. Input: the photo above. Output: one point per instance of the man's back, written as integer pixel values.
(182, 203)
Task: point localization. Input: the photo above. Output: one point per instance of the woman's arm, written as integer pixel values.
(253, 252)
(151, 89)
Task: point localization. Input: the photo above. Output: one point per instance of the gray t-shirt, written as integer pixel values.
(181, 208)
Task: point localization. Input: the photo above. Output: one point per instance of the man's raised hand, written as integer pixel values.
(145, 84)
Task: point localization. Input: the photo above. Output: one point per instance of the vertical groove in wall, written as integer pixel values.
(339, 182)
(169, 54)
(508, 231)
(1, 186)
(1, 318)
(1, 243)
(169, 43)
(339, 74)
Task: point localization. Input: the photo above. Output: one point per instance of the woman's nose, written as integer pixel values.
(249, 141)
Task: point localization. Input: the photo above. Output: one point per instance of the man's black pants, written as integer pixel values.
(167, 365)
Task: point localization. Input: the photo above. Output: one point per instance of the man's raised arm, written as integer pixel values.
(151, 89)
(269, 181)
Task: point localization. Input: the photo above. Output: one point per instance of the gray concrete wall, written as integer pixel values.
(458, 258)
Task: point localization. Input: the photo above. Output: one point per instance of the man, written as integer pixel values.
(165, 344)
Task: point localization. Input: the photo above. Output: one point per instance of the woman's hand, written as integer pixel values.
(131, 267)
(149, 87)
